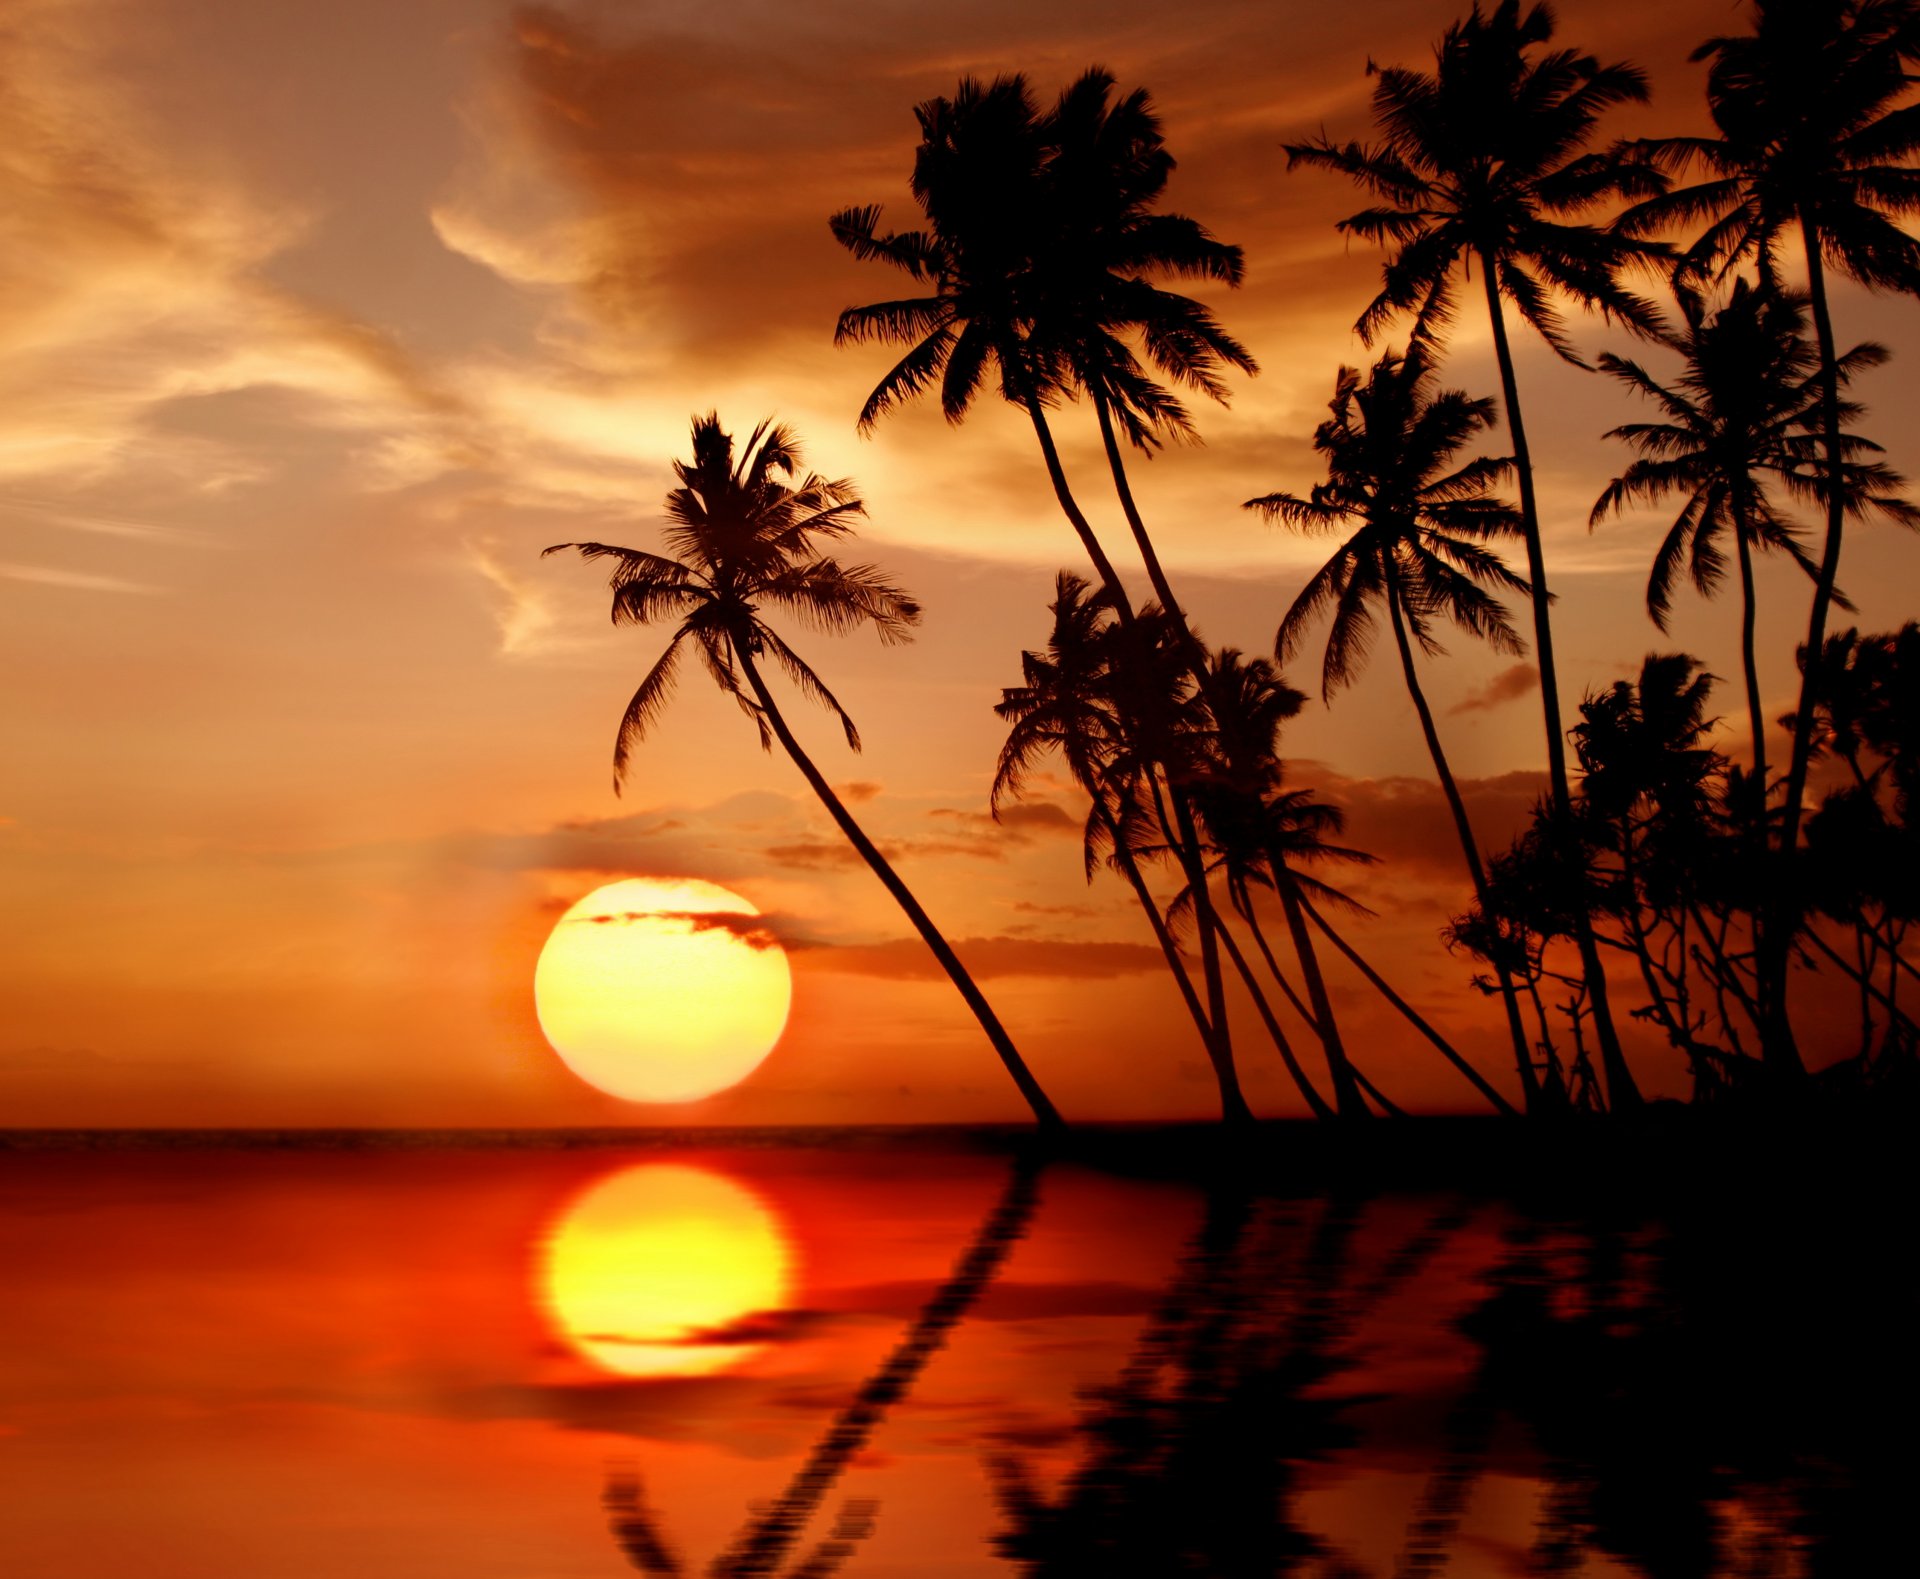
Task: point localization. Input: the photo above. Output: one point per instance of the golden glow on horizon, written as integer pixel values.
(650, 1005)
(647, 1262)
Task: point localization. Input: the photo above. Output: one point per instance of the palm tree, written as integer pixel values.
(1483, 163)
(745, 539)
(1240, 796)
(1039, 249)
(1815, 135)
(1738, 414)
(1418, 549)
(1103, 695)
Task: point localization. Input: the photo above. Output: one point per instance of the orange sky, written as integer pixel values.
(318, 322)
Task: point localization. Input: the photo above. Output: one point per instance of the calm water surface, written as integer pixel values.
(892, 1361)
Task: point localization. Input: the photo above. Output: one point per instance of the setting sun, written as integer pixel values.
(658, 989)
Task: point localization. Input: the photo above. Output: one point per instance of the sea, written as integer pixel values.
(555, 1355)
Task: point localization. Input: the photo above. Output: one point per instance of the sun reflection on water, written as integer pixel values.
(663, 1270)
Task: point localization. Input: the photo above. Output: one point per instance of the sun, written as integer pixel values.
(660, 990)
(662, 1269)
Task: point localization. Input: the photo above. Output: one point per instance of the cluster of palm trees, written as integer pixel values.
(1044, 270)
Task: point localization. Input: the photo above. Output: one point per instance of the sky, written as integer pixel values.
(317, 323)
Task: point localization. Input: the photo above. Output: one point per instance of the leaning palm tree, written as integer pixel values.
(1419, 549)
(1040, 250)
(745, 535)
(1103, 695)
(1817, 134)
(1483, 165)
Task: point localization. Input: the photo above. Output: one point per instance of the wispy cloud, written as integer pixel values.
(74, 580)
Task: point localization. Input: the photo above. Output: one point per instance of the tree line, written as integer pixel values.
(1717, 881)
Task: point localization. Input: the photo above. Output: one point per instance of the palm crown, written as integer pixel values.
(1040, 247)
(1811, 134)
(745, 535)
(1483, 158)
(1422, 523)
(1745, 409)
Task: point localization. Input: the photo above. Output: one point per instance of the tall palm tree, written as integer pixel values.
(1418, 548)
(1817, 134)
(748, 534)
(1039, 249)
(1484, 163)
(1744, 414)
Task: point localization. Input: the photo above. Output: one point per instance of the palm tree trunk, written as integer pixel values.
(1469, 846)
(1412, 1015)
(1765, 965)
(1156, 576)
(1044, 1112)
(1232, 1102)
(1076, 517)
(1622, 1093)
(1346, 1091)
(1347, 1094)
(1777, 1047)
(1315, 1102)
(1749, 623)
(1184, 836)
(1187, 841)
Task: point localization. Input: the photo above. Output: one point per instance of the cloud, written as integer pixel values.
(751, 928)
(1406, 821)
(1508, 685)
(74, 580)
(907, 959)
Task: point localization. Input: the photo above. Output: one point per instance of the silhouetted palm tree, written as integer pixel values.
(1419, 548)
(1105, 695)
(1239, 793)
(1738, 415)
(1816, 134)
(1483, 164)
(740, 539)
(1039, 248)
(1042, 247)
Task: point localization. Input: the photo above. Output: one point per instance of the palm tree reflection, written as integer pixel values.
(1687, 1396)
(770, 1535)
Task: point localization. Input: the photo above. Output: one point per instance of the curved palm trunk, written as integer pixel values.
(1220, 1046)
(1749, 624)
(1156, 576)
(1412, 1015)
(1044, 1112)
(1233, 1105)
(1778, 1051)
(1184, 836)
(1316, 1103)
(1469, 846)
(1622, 1093)
(1346, 1091)
(1076, 517)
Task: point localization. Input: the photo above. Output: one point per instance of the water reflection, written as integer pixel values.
(768, 1537)
(317, 1362)
(665, 1270)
